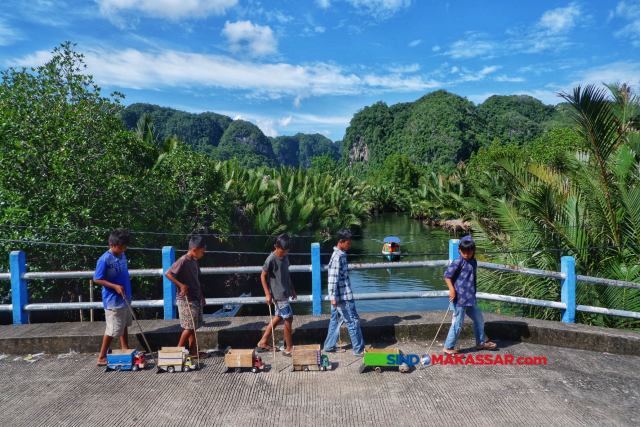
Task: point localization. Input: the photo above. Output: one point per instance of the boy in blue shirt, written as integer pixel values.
(461, 280)
(112, 273)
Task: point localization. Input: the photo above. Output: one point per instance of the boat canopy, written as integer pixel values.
(392, 240)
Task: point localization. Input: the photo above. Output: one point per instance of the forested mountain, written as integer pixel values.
(223, 138)
(441, 128)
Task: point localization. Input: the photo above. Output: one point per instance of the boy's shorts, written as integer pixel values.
(283, 309)
(117, 320)
(185, 317)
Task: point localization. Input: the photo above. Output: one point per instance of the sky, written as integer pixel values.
(308, 66)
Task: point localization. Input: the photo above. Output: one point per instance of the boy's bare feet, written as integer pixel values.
(102, 361)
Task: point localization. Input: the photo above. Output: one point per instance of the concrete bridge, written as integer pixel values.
(591, 377)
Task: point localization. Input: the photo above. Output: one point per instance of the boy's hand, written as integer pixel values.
(293, 294)
(119, 289)
(452, 294)
(268, 299)
(334, 303)
(204, 302)
(183, 289)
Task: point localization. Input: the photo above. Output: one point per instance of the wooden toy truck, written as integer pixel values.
(239, 359)
(126, 360)
(309, 358)
(172, 359)
(380, 357)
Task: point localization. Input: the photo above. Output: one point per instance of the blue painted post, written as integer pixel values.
(169, 289)
(454, 244)
(568, 289)
(316, 281)
(19, 293)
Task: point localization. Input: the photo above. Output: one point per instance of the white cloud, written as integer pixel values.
(435, 48)
(380, 9)
(467, 76)
(621, 71)
(131, 68)
(480, 98)
(415, 43)
(286, 121)
(454, 69)
(171, 9)
(8, 35)
(504, 78)
(323, 3)
(267, 126)
(628, 12)
(404, 68)
(559, 20)
(256, 40)
(549, 33)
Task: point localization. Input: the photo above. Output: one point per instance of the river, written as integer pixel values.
(414, 238)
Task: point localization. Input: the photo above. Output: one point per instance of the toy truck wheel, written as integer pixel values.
(305, 368)
(323, 368)
(238, 370)
(186, 369)
(118, 368)
(254, 370)
(171, 369)
(378, 369)
(135, 368)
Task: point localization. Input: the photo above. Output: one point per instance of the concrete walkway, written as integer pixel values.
(576, 387)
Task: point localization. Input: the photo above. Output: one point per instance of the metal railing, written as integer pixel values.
(20, 305)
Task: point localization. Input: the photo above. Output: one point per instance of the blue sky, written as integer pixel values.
(308, 66)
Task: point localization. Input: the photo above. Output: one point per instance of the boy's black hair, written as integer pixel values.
(467, 245)
(284, 242)
(197, 242)
(345, 234)
(119, 237)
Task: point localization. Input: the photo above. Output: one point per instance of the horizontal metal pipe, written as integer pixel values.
(521, 270)
(520, 300)
(396, 295)
(87, 305)
(390, 265)
(612, 312)
(85, 274)
(608, 282)
(6, 307)
(5, 276)
(255, 269)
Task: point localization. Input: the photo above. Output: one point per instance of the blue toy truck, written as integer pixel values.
(126, 360)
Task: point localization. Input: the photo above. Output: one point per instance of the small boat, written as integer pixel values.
(391, 248)
(228, 310)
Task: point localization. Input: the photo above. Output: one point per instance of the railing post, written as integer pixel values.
(454, 244)
(568, 289)
(169, 289)
(19, 293)
(316, 281)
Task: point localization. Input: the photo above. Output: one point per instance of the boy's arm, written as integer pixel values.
(293, 291)
(265, 286)
(452, 290)
(169, 275)
(119, 289)
(334, 268)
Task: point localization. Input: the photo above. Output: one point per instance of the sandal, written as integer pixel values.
(447, 351)
(488, 346)
(336, 350)
(265, 350)
(284, 353)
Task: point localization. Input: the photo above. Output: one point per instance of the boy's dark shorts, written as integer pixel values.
(185, 317)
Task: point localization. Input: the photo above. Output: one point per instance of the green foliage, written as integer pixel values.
(400, 172)
(324, 164)
(67, 161)
(298, 150)
(245, 142)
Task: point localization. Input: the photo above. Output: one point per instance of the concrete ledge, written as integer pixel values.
(244, 332)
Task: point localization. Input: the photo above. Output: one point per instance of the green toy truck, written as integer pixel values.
(379, 358)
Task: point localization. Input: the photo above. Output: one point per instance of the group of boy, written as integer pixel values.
(112, 274)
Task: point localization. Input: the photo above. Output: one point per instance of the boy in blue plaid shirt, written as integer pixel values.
(341, 297)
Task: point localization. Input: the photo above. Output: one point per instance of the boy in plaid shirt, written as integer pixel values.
(343, 309)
